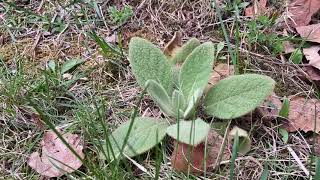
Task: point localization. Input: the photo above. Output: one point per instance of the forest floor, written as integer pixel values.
(96, 92)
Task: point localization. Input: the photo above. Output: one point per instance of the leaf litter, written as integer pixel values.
(301, 11)
(56, 159)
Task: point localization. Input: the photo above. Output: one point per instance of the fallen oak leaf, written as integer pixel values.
(310, 33)
(56, 159)
(257, 8)
(301, 11)
(302, 115)
(313, 56)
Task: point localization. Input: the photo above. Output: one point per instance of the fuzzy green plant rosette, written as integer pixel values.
(177, 92)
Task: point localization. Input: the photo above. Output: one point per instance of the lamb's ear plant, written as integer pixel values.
(179, 98)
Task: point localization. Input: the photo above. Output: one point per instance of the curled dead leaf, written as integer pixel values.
(310, 33)
(313, 56)
(173, 45)
(257, 8)
(56, 159)
(186, 157)
(303, 115)
(301, 11)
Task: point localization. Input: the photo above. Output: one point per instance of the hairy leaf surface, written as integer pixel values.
(149, 63)
(190, 132)
(238, 95)
(145, 134)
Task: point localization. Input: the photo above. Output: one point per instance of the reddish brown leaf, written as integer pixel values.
(186, 157)
(310, 33)
(56, 158)
(270, 107)
(256, 9)
(312, 73)
(302, 115)
(313, 56)
(301, 11)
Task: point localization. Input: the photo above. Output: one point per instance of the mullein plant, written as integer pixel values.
(177, 91)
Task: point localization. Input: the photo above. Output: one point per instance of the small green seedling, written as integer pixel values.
(120, 16)
(177, 91)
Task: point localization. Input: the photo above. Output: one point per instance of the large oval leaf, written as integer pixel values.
(149, 63)
(238, 95)
(189, 132)
(145, 134)
(195, 71)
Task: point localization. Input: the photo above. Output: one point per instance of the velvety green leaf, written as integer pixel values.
(145, 134)
(149, 63)
(178, 103)
(190, 132)
(195, 71)
(220, 46)
(68, 65)
(160, 96)
(238, 95)
(182, 54)
(193, 102)
(284, 111)
(244, 140)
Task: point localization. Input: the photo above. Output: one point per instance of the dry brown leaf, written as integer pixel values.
(312, 73)
(313, 56)
(219, 72)
(257, 8)
(56, 158)
(173, 45)
(301, 11)
(302, 115)
(310, 33)
(270, 107)
(287, 45)
(187, 157)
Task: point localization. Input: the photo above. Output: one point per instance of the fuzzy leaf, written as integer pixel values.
(149, 63)
(238, 95)
(195, 72)
(183, 52)
(190, 132)
(193, 102)
(244, 140)
(145, 134)
(160, 96)
(178, 103)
